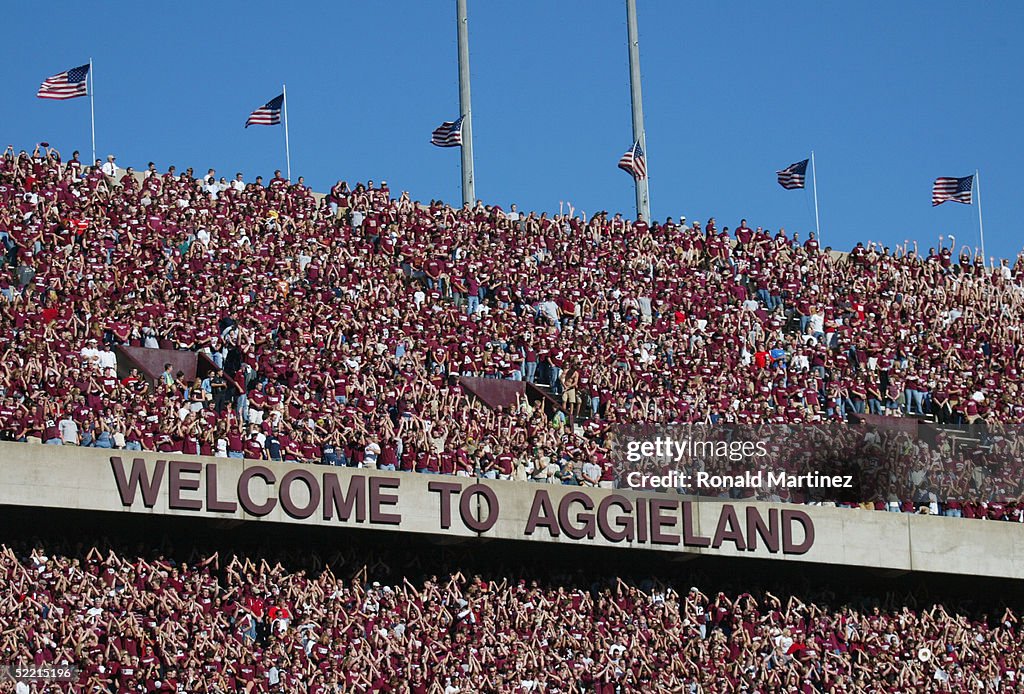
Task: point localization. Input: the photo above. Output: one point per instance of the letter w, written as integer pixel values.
(127, 487)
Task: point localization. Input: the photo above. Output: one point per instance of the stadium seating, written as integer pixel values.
(265, 622)
(335, 329)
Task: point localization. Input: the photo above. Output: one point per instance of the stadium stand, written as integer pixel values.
(261, 609)
(337, 329)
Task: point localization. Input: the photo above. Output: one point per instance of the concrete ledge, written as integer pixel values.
(133, 483)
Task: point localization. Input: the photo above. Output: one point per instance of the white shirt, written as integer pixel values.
(149, 339)
(549, 309)
(90, 353)
(783, 643)
(108, 360)
(68, 430)
(109, 168)
(591, 470)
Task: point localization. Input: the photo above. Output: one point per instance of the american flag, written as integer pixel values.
(448, 134)
(634, 163)
(794, 175)
(66, 85)
(267, 114)
(955, 189)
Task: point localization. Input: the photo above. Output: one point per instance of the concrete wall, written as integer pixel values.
(73, 478)
(494, 392)
(150, 362)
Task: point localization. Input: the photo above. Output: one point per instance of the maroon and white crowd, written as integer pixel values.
(340, 326)
(131, 622)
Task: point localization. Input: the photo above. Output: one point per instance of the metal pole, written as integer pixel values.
(465, 108)
(643, 202)
(287, 149)
(981, 225)
(814, 185)
(92, 109)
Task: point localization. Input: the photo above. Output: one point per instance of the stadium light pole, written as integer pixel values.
(92, 109)
(981, 224)
(466, 110)
(643, 201)
(287, 147)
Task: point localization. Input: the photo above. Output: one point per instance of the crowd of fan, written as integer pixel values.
(148, 622)
(340, 326)
(227, 623)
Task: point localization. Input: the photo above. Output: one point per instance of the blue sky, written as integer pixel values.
(889, 97)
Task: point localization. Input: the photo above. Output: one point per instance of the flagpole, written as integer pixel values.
(287, 149)
(92, 109)
(814, 185)
(981, 224)
(465, 107)
(643, 200)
